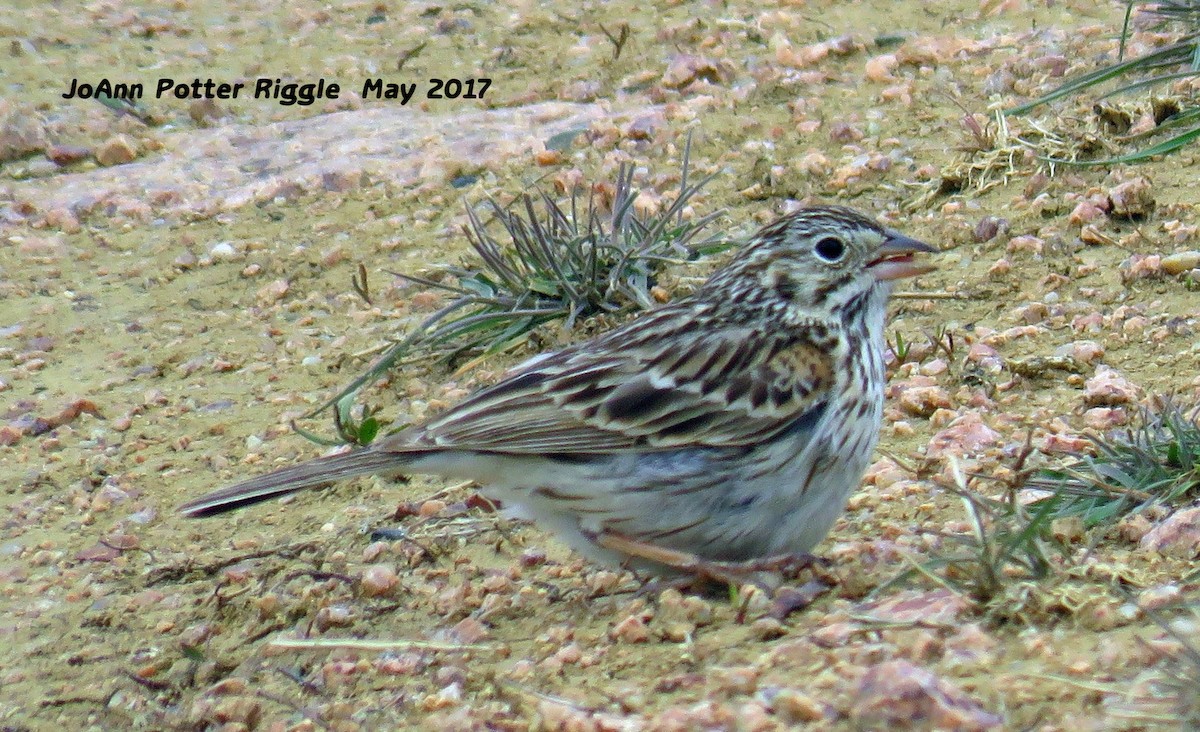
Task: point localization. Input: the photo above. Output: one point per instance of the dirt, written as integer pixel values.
(165, 316)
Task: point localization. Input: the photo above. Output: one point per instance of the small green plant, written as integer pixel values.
(1178, 60)
(553, 263)
(1008, 543)
(1155, 461)
(350, 431)
(900, 348)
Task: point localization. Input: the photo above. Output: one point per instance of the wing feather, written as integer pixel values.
(733, 387)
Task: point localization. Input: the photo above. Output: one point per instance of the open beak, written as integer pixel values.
(893, 259)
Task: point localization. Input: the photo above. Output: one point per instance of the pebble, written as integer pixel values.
(379, 580)
(1132, 199)
(115, 151)
(966, 435)
(1176, 264)
(1109, 388)
(1178, 536)
(1103, 419)
(895, 693)
(223, 251)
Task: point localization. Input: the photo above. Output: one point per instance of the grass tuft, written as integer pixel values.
(1157, 461)
(540, 261)
(1009, 545)
(1178, 60)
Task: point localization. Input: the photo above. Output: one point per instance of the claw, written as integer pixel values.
(768, 573)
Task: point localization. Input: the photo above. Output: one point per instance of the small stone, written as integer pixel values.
(988, 228)
(1134, 526)
(1084, 352)
(470, 630)
(116, 151)
(937, 606)
(1085, 213)
(1028, 244)
(1132, 199)
(1103, 419)
(966, 435)
(67, 154)
(222, 251)
(548, 157)
(923, 401)
(765, 629)
(194, 635)
(897, 694)
(685, 69)
(272, 292)
(631, 630)
(1178, 536)
(795, 707)
(333, 616)
(1141, 267)
(1109, 388)
(1160, 597)
(379, 580)
(1176, 264)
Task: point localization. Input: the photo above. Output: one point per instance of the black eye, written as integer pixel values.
(830, 249)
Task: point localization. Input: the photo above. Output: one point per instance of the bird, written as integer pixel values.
(726, 429)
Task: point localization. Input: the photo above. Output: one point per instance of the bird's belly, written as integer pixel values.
(722, 504)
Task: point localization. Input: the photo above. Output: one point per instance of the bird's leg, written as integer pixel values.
(729, 573)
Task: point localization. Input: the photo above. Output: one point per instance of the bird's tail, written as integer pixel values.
(294, 478)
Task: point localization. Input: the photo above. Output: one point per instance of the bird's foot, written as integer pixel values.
(768, 573)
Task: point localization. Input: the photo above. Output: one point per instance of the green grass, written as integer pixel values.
(1009, 547)
(538, 261)
(1178, 60)
(1156, 461)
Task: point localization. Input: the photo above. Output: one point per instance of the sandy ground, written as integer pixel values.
(172, 295)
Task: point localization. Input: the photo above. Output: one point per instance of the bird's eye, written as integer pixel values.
(830, 248)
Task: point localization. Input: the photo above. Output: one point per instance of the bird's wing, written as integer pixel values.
(667, 386)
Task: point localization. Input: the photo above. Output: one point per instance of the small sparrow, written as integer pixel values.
(727, 429)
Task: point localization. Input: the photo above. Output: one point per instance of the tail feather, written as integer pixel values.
(291, 479)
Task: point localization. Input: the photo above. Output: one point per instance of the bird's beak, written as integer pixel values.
(893, 259)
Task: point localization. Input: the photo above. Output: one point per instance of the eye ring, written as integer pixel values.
(830, 248)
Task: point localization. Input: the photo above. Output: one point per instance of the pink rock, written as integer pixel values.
(971, 643)
(1090, 323)
(687, 68)
(986, 357)
(1178, 536)
(1141, 267)
(1102, 419)
(896, 388)
(834, 635)
(115, 151)
(1082, 351)
(1085, 213)
(923, 401)
(1034, 312)
(1029, 244)
(1109, 388)
(1132, 199)
(965, 435)
(1069, 444)
(903, 695)
(938, 606)
(879, 68)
